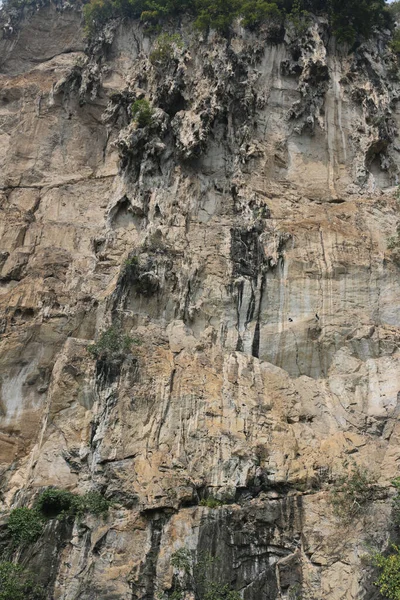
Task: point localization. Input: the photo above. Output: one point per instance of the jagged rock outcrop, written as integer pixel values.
(241, 239)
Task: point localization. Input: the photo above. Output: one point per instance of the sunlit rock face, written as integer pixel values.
(242, 240)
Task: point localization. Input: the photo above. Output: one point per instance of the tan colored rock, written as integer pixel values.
(241, 243)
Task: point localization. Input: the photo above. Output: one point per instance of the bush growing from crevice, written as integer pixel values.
(353, 493)
(138, 275)
(388, 580)
(112, 343)
(25, 525)
(164, 49)
(18, 584)
(54, 502)
(142, 113)
(211, 502)
(58, 503)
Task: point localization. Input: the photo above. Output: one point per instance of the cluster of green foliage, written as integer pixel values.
(358, 18)
(25, 525)
(111, 343)
(211, 502)
(299, 17)
(18, 584)
(142, 112)
(164, 48)
(389, 576)
(54, 502)
(198, 578)
(348, 19)
(353, 492)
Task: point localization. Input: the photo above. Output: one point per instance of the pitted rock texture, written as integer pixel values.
(241, 240)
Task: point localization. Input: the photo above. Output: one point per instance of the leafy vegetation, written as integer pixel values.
(164, 48)
(54, 502)
(348, 20)
(18, 584)
(112, 342)
(353, 493)
(182, 560)
(142, 112)
(299, 17)
(359, 18)
(198, 577)
(25, 525)
(389, 576)
(211, 502)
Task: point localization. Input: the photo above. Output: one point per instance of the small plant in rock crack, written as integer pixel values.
(142, 113)
(353, 493)
(165, 48)
(182, 560)
(111, 343)
(211, 502)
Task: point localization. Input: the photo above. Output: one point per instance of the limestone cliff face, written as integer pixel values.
(242, 239)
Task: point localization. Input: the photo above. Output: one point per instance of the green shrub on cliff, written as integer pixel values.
(112, 342)
(360, 18)
(255, 12)
(353, 492)
(164, 48)
(388, 580)
(142, 112)
(18, 584)
(54, 502)
(25, 525)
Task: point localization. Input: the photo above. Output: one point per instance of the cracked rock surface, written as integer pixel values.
(241, 240)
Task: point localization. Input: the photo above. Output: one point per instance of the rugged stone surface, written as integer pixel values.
(242, 239)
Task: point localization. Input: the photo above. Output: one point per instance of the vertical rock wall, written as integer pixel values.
(241, 239)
